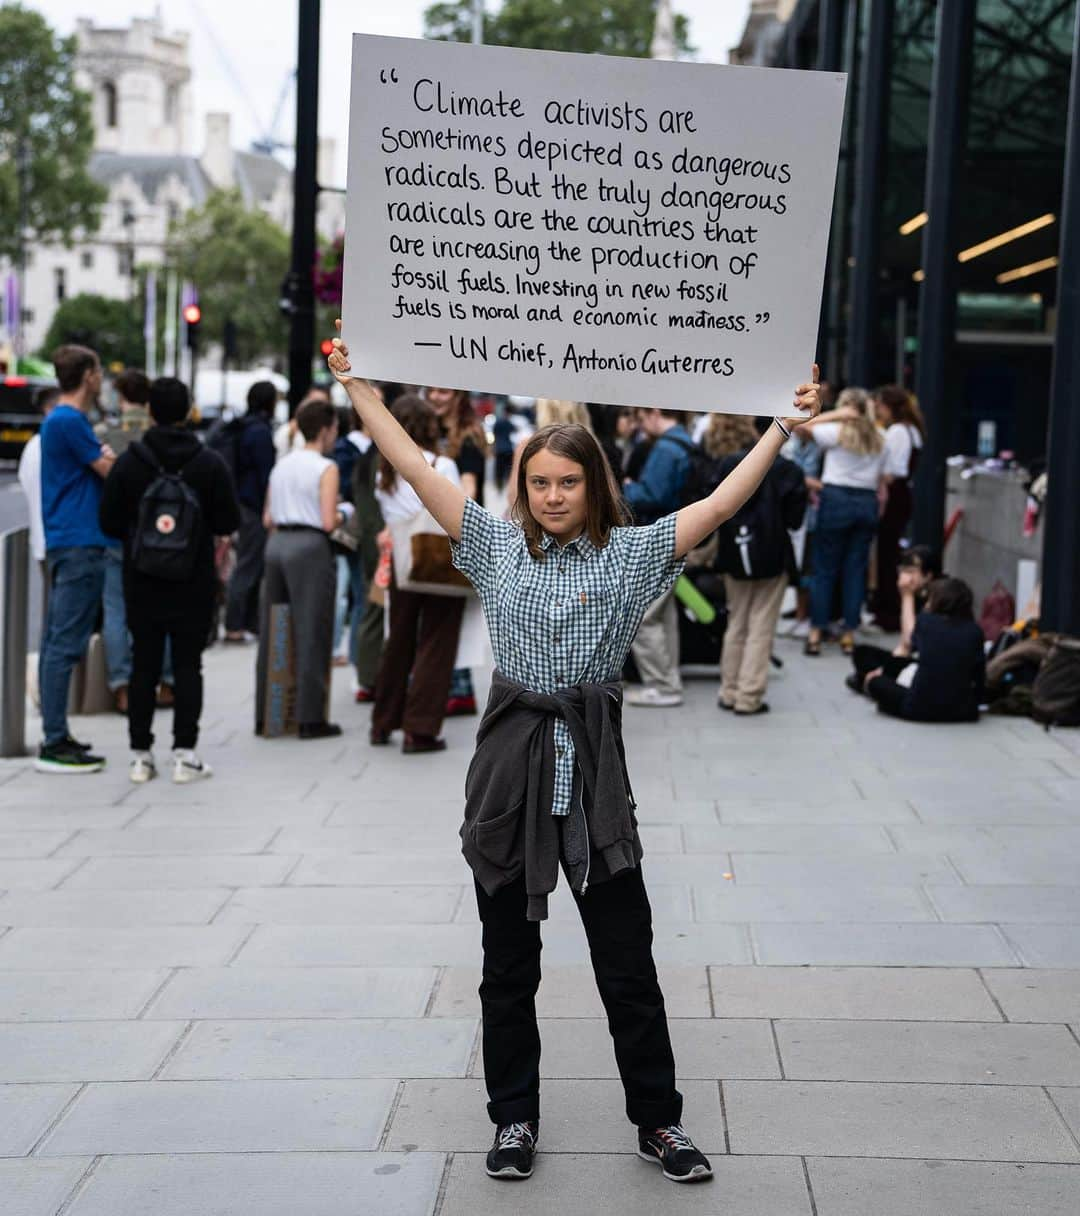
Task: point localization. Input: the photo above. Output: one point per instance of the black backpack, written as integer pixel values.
(1055, 695)
(703, 475)
(168, 527)
(225, 440)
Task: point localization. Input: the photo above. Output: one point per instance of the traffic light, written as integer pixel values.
(192, 318)
(327, 347)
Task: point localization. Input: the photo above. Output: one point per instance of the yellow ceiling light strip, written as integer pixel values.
(913, 224)
(1003, 238)
(1022, 272)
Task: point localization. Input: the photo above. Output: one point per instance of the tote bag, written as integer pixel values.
(422, 559)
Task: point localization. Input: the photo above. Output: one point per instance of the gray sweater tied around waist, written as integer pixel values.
(509, 827)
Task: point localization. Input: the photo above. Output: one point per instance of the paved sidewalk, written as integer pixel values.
(258, 995)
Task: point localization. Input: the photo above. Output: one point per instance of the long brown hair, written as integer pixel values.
(461, 422)
(604, 506)
(902, 406)
(420, 423)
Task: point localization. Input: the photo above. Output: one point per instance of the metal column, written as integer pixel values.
(301, 290)
(830, 54)
(949, 103)
(1060, 608)
(869, 193)
(14, 585)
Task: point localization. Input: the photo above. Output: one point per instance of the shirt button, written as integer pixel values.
(560, 751)
(555, 638)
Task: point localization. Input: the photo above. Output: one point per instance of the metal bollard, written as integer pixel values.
(14, 585)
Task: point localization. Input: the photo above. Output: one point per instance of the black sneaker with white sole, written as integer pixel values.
(512, 1153)
(67, 756)
(673, 1150)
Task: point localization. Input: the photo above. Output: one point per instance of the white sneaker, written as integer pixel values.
(188, 767)
(142, 768)
(648, 697)
(801, 629)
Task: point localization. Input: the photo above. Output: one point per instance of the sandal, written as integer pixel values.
(812, 646)
(847, 643)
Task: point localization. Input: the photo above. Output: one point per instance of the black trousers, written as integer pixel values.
(618, 925)
(870, 658)
(242, 596)
(187, 635)
(889, 696)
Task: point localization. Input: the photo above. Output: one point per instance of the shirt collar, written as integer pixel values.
(581, 544)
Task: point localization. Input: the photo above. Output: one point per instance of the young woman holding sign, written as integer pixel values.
(564, 588)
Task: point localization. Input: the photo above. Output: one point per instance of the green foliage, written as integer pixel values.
(237, 259)
(41, 108)
(607, 27)
(111, 327)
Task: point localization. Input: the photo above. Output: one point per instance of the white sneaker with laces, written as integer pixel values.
(142, 768)
(648, 697)
(187, 767)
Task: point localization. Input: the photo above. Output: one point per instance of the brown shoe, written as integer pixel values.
(422, 743)
(120, 699)
(378, 738)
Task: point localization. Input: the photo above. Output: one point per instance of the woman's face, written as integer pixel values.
(882, 413)
(624, 425)
(441, 399)
(556, 490)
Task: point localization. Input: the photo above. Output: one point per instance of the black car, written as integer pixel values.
(19, 420)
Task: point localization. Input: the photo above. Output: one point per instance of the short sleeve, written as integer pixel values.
(649, 564)
(77, 437)
(483, 539)
(826, 435)
(897, 451)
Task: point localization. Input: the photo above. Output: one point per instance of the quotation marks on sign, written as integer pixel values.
(389, 78)
(761, 318)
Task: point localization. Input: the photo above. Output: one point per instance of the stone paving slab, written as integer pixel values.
(1043, 945)
(383, 870)
(851, 993)
(35, 874)
(669, 902)
(841, 869)
(174, 842)
(1031, 994)
(26, 1112)
(84, 1051)
(67, 996)
(183, 873)
(786, 904)
(219, 993)
(975, 1053)
(15, 818)
(967, 1122)
(15, 845)
(327, 1048)
(118, 948)
(853, 1187)
(39, 1188)
(80, 908)
(995, 866)
(223, 1116)
(850, 810)
(211, 814)
(575, 1115)
(624, 1185)
(705, 1049)
(787, 838)
(338, 906)
(570, 992)
(995, 903)
(270, 1184)
(898, 945)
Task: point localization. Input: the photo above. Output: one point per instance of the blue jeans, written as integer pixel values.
(77, 582)
(846, 523)
(115, 630)
(350, 599)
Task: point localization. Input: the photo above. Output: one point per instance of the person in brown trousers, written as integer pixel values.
(418, 655)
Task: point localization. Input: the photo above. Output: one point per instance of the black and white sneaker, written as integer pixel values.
(673, 1150)
(67, 756)
(512, 1153)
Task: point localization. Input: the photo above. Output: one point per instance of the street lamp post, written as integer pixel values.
(22, 174)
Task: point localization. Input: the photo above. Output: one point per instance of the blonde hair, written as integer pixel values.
(859, 435)
(550, 412)
(727, 434)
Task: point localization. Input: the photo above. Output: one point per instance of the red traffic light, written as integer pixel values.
(192, 314)
(327, 346)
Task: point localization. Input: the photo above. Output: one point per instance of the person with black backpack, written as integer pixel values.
(756, 558)
(167, 498)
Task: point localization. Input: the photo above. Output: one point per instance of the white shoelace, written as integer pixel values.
(514, 1135)
(675, 1137)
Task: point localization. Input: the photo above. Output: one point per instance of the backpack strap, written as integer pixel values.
(144, 453)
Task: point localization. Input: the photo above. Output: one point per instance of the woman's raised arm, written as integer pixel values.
(699, 520)
(442, 498)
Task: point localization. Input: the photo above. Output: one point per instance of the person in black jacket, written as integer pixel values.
(160, 608)
(756, 559)
(949, 680)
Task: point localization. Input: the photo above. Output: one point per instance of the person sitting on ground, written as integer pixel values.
(169, 591)
(563, 587)
(919, 566)
(950, 677)
(302, 510)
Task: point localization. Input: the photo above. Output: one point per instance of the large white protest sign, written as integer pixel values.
(587, 227)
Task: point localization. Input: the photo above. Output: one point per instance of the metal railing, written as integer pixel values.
(14, 606)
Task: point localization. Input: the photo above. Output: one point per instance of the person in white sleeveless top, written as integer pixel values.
(301, 511)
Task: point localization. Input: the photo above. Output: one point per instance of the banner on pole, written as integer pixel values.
(587, 227)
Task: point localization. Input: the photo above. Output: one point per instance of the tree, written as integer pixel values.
(607, 27)
(113, 328)
(43, 113)
(236, 259)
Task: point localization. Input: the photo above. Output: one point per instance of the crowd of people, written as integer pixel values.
(309, 513)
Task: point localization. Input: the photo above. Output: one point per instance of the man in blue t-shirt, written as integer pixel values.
(73, 464)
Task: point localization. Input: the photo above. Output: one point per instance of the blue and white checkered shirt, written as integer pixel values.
(568, 618)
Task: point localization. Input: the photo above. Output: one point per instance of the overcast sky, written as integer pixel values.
(242, 53)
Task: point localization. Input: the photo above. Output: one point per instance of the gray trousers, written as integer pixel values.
(300, 572)
(656, 647)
